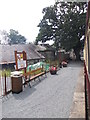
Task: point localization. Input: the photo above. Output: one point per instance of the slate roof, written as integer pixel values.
(49, 47)
(45, 47)
(7, 52)
(40, 48)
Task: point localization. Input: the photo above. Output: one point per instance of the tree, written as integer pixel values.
(74, 26)
(16, 38)
(47, 25)
(65, 24)
(4, 39)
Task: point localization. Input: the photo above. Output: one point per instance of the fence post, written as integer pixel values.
(5, 85)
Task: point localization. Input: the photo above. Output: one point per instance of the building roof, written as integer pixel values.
(7, 52)
(40, 48)
(45, 47)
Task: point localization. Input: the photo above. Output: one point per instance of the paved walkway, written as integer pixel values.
(0, 109)
(50, 98)
(78, 107)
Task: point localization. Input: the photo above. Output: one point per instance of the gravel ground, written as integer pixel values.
(0, 109)
(50, 98)
(78, 107)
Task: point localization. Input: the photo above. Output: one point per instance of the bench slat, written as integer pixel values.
(33, 71)
(32, 76)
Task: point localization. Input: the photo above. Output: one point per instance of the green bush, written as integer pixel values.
(7, 72)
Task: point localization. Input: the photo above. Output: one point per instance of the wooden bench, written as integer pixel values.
(32, 75)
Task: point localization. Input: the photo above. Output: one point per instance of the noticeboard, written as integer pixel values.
(21, 60)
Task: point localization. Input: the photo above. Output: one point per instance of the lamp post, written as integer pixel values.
(59, 52)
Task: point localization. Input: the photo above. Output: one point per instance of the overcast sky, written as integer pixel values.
(22, 15)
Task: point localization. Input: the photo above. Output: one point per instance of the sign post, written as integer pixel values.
(21, 61)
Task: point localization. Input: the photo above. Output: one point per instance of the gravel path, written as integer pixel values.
(0, 109)
(50, 98)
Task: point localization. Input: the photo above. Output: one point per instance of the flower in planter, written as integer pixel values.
(64, 63)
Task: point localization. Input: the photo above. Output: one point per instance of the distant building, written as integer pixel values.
(47, 51)
(72, 55)
(7, 57)
(63, 55)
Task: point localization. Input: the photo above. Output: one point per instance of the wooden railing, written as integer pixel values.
(5, 82)
(5, 85)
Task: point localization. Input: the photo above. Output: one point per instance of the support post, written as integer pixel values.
(5, 85)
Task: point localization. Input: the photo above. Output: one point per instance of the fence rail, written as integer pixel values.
(5, 85)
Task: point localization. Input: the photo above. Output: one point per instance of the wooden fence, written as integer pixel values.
(5, 85)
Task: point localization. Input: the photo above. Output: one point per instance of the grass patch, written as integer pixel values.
(51, 63)
(7, 72)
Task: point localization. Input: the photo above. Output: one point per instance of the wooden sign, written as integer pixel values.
(21, 60)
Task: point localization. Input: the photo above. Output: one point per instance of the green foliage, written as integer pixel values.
(46, 31)
(52, 63)
(65, 24)
(4, 39)
(16, 38)
(7, 72)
